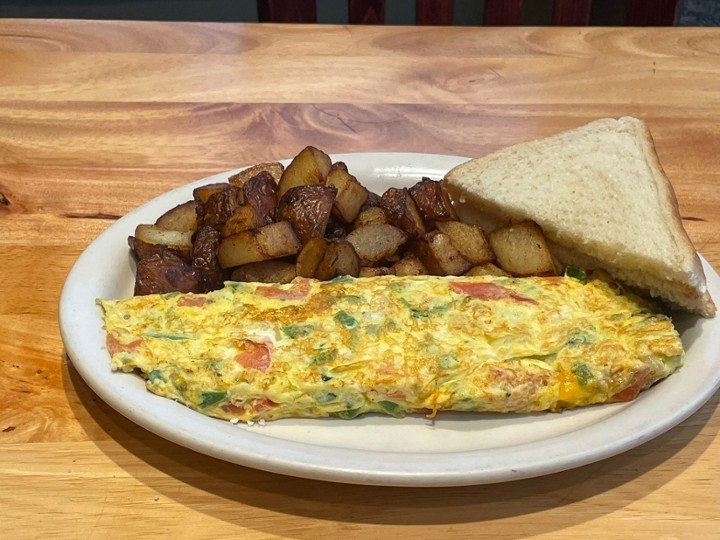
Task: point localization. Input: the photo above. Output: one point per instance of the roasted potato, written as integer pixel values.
(521, 250)
(401, 211)
(271, 271)
(370, 216)
(325, 259)
(274, 169)
(246, 217)
(181, 218)
(350, 194)
(164, 272)
(219, 206)
(310, 257)
(201, 194)
(469, 240)
(310, 166)
(372, 271)
(376, 242)
(433, 201)
(143, 250)
(339, 165)
(335, 229)
(409, 265)
(372, 201)
(308, 209)
(272, 241)
(152, 234)
(439, 256)
(205, 259)
(486, 269)
(260, 192)
(339, 259)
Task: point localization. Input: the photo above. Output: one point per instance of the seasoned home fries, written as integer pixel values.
(314, 219)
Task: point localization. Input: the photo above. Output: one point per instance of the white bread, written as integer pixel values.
(602, 198)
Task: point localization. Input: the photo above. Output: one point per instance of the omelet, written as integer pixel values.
(393, 345)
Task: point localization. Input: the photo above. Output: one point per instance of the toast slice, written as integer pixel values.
(602, 198)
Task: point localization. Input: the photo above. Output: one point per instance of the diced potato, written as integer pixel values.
(469, 240)
(246, 217)
(274, 169)
(271, 271)
(409, 265)
(278, 239)
(335, 229)
(259, 194)
(373, 271)
(219, 206)
(521, 250)
(339, 165)
(239, 249)
(402, 212)
(372, 201)
(272, 241)
(486, 269)
(144, 250)
(202, 193)
(339, 259)
(260, 191)
(310, 166)
(205, 259)
(375, 242)
(181, 218)
(308, 209)
(152, 234)
(325, 259)
(350, 194)
(164, 272)
(439, 256)
(310, 257)
(370, 216)
(433, 201)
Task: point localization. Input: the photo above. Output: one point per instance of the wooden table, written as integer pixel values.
(98, 117)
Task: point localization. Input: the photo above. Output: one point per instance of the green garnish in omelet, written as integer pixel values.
(348, 321)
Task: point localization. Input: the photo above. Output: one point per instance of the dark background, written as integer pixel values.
(466, 12)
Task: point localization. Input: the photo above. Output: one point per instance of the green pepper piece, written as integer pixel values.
(211, 398)
(582, 372)
(348, 321)
(349, 414)
(173, 337)
(326, 397)
(295, 330)
(390, 407)
(577, 273)
(323, 356)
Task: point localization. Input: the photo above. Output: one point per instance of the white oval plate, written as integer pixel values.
(455, 449)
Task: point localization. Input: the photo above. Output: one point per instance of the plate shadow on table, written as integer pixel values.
(355, 504)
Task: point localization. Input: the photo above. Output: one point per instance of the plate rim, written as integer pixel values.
(391, 468)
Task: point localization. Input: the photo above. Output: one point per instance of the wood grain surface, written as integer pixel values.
(99, 117)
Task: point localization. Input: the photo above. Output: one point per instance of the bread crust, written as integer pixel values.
(706, 306)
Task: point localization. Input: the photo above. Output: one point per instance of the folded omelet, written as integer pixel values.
(393, 345)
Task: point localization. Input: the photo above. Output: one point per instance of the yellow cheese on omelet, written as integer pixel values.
(393, 345)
